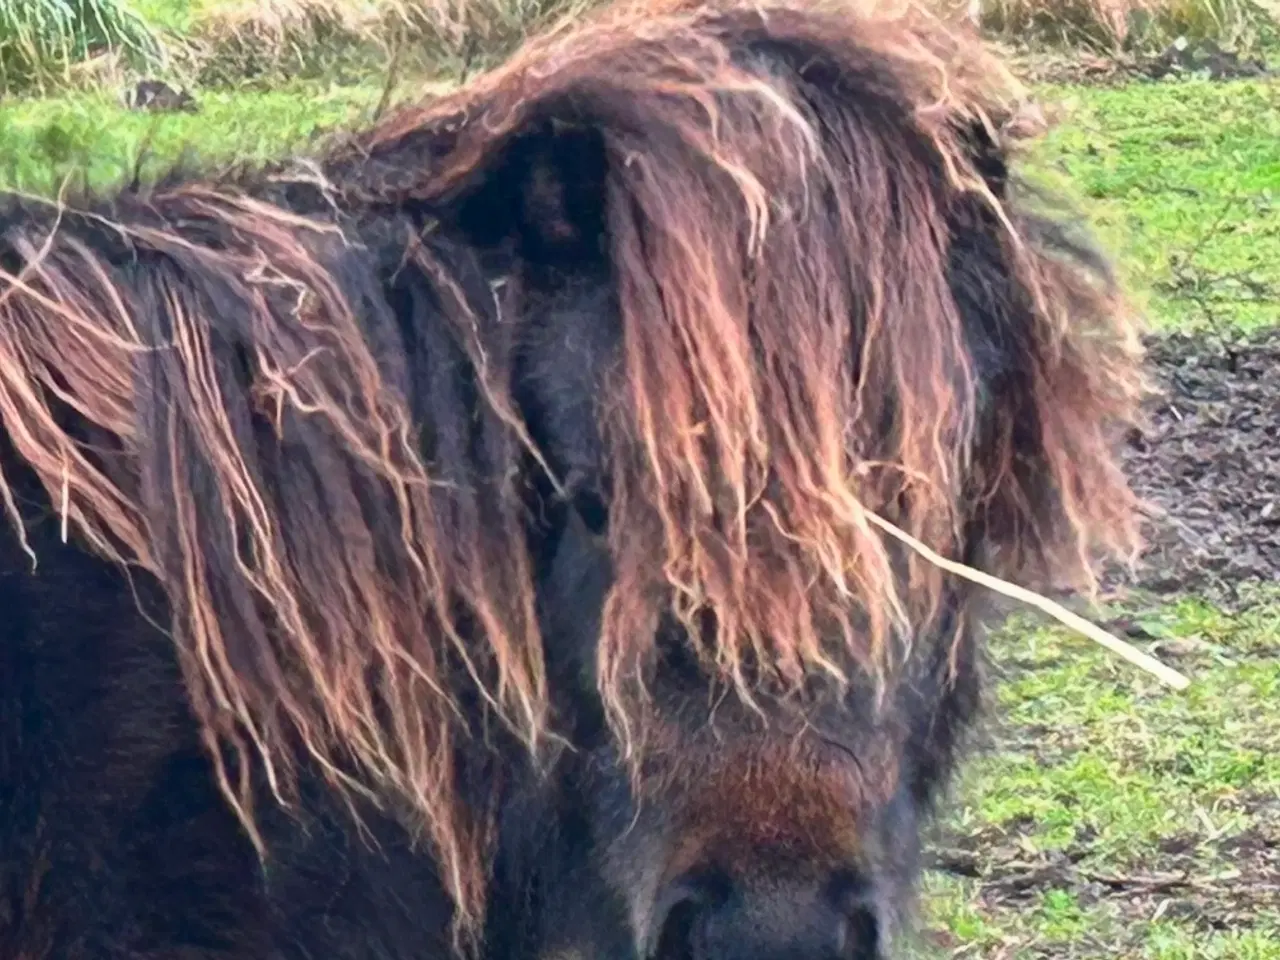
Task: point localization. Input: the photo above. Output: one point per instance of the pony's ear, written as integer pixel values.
(545, 195)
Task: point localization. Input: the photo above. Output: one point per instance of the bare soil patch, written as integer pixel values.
(1202, 59)
(1208, 461)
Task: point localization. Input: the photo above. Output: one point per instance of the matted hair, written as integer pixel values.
(321, 460)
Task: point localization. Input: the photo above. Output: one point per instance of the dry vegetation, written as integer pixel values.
(83, 43)
(237, 41)
(1118, 25)
(43, 43)
(249, 39)
(257, 38)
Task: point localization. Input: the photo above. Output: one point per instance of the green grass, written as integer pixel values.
(1183, 180)
(92, 136)
(1105, 788)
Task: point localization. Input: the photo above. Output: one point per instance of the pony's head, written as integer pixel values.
(521, 468)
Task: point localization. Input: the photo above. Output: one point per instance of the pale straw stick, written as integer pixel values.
(1060, 613)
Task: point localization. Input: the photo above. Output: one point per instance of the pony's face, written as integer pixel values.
(744, 831)
(717, 828)
(724, 830)
(718, 820)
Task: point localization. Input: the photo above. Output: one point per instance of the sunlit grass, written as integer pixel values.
(1097, 763)
(1183, 180)
(93, 137)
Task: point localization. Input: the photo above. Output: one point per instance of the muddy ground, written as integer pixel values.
(1201, 59)
(1208, 461)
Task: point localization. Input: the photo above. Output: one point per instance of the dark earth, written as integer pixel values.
(1208, 462)
(1200, 59)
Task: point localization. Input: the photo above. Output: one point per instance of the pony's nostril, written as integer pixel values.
(765, 918)
(859, 937)
(677, 930)
(678, 916)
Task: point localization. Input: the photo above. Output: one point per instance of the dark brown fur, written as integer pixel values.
(502, 480)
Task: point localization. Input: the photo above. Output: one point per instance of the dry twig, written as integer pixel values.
(1060, 613)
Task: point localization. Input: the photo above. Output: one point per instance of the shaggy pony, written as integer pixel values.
(501, 480)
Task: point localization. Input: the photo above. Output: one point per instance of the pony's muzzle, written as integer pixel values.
(709, 915)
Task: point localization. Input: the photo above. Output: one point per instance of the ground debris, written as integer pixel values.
(1183, 58)
(1208, 461)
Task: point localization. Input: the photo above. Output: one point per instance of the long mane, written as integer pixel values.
(289, 398)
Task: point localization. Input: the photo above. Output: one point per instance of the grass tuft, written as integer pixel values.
(42, 41)
(1115, 26)
(267, 40)
(233, 41)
